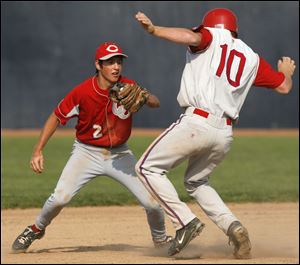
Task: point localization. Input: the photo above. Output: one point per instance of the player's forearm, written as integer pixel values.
(47, 131)
(153, 101)
(177, 35)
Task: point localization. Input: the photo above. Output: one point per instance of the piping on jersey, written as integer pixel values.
(148, 183)
(108, 130)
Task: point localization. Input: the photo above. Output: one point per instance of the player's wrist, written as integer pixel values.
(146, 94)
(151, 29)
(37, 152)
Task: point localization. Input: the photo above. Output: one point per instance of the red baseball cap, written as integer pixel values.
(108, 50)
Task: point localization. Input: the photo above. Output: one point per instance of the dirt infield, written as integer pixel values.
(156, 132)
(120, 235)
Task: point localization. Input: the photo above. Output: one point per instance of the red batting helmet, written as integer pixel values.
(220, 18)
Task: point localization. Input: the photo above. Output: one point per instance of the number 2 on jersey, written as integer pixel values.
(97, 133)
(232, 54)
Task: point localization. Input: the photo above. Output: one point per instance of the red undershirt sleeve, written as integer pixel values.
(206, 39)
(266, 76)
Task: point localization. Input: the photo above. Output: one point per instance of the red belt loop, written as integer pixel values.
(201, 112)
(228, 121)
(205, 114)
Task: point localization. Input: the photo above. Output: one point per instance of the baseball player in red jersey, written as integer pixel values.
(100, 148)
(220, 69)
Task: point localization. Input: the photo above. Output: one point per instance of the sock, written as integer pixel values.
(35, 229)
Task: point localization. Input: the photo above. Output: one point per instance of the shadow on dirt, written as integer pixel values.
(110, 247)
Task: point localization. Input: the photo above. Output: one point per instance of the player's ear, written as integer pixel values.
(97, 65)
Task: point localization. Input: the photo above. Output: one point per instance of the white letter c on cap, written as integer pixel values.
(112, 48)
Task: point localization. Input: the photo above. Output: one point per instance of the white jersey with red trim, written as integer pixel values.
(218, 79)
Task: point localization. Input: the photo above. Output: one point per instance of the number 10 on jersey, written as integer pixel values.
(228, 63)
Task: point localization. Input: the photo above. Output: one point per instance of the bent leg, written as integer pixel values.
(214, 207)
(196, 182)
(166, 152)
(122, 169)
(75, 174)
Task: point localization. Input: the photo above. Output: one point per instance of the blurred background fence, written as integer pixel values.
(47, 48)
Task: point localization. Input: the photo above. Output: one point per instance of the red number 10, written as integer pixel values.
(239, 73)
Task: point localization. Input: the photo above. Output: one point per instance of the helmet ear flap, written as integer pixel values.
(221, 18)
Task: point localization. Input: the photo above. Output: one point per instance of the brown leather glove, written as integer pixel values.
(131, 96)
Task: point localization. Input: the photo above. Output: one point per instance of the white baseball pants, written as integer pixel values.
(204, 142)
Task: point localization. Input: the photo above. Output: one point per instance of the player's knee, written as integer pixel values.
(61, 198)
(142, 169)
(149, 203)
(192, 186)
(138, 169)
(152, 207)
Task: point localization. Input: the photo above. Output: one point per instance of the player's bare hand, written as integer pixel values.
(145, 22)
(286, 65)
(37, 162)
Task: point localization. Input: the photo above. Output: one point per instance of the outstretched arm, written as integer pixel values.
(287, 66)
(177, 35)
(37, 159)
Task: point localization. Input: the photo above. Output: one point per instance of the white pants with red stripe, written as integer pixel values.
(204, 142)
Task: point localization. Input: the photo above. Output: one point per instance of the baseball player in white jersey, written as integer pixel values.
(220, 69)
(100, 149)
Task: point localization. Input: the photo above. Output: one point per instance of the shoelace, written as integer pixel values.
(28, 236)
(24, 240)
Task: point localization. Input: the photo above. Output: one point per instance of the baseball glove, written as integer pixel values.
(131, 96)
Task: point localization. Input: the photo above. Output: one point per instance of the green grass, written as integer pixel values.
(256, 169)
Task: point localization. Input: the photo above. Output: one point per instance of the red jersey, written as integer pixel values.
(101, 122)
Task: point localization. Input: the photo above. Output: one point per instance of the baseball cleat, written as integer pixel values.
(24, 240)
(238, 235)
(185, 235)
(164, 243)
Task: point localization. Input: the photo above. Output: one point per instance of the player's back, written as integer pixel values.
(219, 78)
